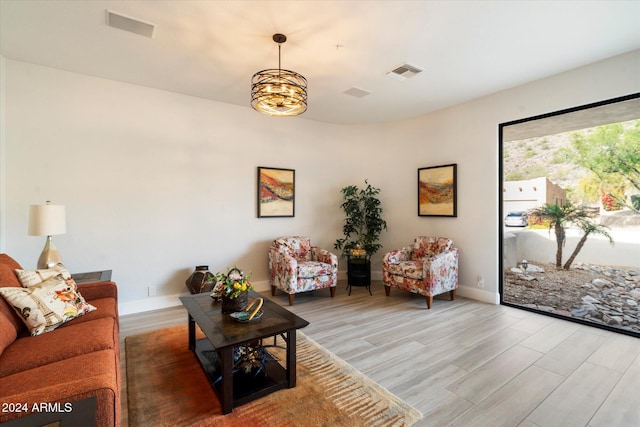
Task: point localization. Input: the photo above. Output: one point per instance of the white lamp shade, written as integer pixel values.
(46, 220)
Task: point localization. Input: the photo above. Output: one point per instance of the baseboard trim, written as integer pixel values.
(478, 294)
(149, 304)
(168, 301)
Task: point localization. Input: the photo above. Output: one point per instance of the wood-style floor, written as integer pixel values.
(465, 363)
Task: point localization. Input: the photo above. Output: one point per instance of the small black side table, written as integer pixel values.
(359, 271)
(92, 276)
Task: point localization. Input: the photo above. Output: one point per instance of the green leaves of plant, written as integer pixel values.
(363, 222)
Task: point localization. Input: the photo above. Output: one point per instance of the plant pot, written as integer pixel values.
(232, 305)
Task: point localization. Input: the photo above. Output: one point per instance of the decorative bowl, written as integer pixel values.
(250, 313)
(245, 317)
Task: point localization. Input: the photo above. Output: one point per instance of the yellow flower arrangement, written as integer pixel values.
(231, 284)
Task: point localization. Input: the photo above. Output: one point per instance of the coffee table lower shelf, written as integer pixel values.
(246, 387)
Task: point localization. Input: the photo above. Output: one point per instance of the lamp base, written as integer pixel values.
(49, 256)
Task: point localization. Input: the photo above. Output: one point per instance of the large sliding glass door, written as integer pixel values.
(570, 214)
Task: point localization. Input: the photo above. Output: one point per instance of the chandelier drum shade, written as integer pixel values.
(278, 92)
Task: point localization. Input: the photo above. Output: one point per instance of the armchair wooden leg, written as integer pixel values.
(452, 294)
(333, 291)
(429, 302)
(291, 297)
(273, 291)
(387, 289)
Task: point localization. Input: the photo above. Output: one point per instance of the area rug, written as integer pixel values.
(167, 387)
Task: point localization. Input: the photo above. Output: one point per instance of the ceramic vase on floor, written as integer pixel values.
(201, 280)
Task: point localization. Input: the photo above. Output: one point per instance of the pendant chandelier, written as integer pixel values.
(279, 92)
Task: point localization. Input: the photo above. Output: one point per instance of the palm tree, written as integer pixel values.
(559, 217)
(587, 227)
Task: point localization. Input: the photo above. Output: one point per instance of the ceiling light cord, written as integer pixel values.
(279, 64)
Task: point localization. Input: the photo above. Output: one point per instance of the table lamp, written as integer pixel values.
(47, 220)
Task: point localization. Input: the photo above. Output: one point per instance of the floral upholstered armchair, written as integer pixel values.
(295, 266)
(429, 267)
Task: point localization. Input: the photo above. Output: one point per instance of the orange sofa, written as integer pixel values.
(71, 374)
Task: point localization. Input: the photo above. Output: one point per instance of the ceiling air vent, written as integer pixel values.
(404, 72)
(357, 92)
(129, 24)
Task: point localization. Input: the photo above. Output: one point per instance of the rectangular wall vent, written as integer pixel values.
(357, 92)
(132, 25)
(404, 71)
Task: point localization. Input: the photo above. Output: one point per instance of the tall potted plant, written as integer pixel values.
(363, 222)
(362, 227)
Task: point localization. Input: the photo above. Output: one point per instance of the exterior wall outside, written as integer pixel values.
(555, 194)
(531, 193)
(540, 246)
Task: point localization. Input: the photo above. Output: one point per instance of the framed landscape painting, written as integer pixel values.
(276, 192)
(437, 191)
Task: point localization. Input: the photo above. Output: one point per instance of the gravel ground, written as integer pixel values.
(598, 294)
(561, 289)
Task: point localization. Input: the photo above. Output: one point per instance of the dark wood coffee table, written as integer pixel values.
(224, 333)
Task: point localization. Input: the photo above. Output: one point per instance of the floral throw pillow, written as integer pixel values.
(47, 305)
(30, 278)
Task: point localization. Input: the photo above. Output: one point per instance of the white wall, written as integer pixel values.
(467, 134)
(3, 138)
(156, 182)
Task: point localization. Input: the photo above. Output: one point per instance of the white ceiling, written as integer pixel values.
(210, 49)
